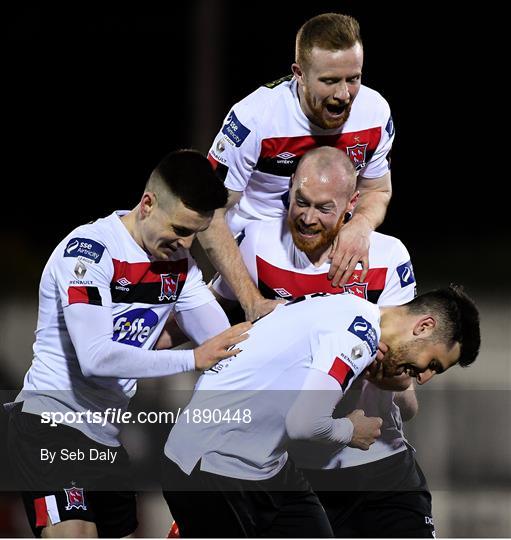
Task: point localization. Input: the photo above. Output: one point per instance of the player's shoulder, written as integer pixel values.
(263, 100)
(372, 97)
(90, 240)
(372, 105)
(263, 234)
(339, 306)
(264, 226)
(385, 241)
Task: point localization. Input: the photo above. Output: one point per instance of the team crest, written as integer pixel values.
(169, 284)
(358, 289)
(75, 498)
(357, 154)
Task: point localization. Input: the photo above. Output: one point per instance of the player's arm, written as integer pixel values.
(223, 252)
(90, 330)
(310, 417)
(352, 242)
(407, 402)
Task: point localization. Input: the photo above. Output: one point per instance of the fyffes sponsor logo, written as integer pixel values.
(135, 326)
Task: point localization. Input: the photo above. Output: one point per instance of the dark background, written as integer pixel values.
(94, 97)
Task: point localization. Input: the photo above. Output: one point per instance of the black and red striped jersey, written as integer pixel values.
(265, 134)
(101, 264)
(281, 270)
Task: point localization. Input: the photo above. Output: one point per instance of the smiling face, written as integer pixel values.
(319, 198)
(420, 356)
(166, 227)
(328, 84)
(414, 344)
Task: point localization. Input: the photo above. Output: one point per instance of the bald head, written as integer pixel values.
(322, 194)
(328, 165)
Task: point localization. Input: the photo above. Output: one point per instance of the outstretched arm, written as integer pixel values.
(222, 250)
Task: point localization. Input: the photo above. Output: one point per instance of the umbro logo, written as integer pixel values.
(282, 292)
(122, 284)
(286, 155)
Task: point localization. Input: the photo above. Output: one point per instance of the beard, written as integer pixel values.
(317, 243)
(317, 109)
(401, 356)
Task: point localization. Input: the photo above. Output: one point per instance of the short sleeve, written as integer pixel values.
(379, 164)
(401, 286)
(236, 147)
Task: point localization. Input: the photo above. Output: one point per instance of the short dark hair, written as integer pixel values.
(190, 177)
(458, 319)
(329, 31)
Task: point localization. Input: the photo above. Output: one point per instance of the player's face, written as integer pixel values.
(315, 210)
(329, 84)
(420, 358)
(166, 230)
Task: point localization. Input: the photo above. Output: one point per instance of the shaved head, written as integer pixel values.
(328, 164)
(322, 194)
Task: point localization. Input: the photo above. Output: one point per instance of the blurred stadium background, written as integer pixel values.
(94, 98)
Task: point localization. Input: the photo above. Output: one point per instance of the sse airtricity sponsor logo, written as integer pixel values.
(85, 248)
(364, 330)
(405, 273)
(135, 326)
(234, 130)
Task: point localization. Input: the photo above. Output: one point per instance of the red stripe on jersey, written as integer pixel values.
(148, 272)
(41, 512)
(78, 295)
(213, 161)
(298, 284)
(271, 147)
(340, 371)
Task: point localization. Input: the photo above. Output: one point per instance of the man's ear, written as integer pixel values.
(425, 376)
(353, 202)
(298, 73)
(424, 326)
(147, 204)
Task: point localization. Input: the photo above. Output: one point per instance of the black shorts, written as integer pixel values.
(388, 498)
(73, 486)
(208, 505)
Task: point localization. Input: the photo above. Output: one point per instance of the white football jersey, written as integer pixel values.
(100, 264)
(266, 133)
(236, 421)
(281, 270)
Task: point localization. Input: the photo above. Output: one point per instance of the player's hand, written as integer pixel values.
(382, 349)
(219, 347)
(350, 247)
(375, 373)
(261, 307)
(366, 429)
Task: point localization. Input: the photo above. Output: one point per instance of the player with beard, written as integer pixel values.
(264, 135)
(289, 257)
(231, 477)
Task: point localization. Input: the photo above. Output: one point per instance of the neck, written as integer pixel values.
(391, 319)
(320, 256)
(303, 104)
(129, 220)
